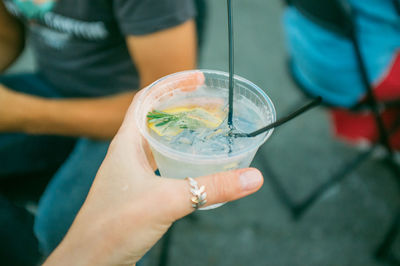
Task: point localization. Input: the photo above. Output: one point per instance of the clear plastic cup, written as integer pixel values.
(174, 163)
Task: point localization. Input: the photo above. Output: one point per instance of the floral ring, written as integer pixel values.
(199, 195)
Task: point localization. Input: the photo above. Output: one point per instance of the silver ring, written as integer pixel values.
(199, 195)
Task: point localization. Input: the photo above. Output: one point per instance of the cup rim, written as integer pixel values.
(197, 158)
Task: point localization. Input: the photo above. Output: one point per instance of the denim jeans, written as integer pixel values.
(68, 188)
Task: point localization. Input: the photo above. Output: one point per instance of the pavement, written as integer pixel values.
(342, 228)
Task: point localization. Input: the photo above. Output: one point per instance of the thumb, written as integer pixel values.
(221, 187)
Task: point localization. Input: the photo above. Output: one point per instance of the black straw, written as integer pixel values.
(231, 72)
(281, 121)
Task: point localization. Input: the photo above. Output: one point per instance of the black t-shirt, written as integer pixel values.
(80, 45)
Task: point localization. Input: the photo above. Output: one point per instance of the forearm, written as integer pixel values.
(94, 118)
(79, 254)
(12, 38)
(9, 51)
(91, 242)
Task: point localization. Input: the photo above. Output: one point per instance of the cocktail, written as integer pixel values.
(183, 116)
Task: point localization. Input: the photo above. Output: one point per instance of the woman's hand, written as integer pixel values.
(128, 208)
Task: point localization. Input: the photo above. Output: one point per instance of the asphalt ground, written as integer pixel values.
(342, 228)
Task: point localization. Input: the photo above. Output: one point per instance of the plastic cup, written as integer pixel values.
(174, 163)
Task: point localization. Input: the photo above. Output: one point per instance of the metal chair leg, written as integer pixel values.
(319, 191)
(279, 190)
(383, 249)
(298, 209)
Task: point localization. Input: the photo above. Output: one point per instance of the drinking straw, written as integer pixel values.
(281, 121)
(231, 57)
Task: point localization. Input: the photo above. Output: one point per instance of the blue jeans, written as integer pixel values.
(22, 154)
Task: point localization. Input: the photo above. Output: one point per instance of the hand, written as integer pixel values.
(11, 110)
(128, 208)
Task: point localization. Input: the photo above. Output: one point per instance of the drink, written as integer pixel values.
(199, 143)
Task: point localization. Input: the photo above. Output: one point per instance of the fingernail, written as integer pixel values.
(250, 179)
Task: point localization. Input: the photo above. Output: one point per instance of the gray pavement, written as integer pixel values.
(341, 229)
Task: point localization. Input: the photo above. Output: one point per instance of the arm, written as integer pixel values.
(155, 55)
(11, 38)
(149, 52)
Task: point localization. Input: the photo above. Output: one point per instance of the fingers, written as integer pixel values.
(186, 81)
(130, 116)
(221, 187)
(149, 155)
(130, 143)
(129, 134)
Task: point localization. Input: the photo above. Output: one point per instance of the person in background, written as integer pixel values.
(92, 57)
(325, 65)
(128, 208)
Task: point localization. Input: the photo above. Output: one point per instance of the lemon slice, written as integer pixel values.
(165, 130)
(195, 115)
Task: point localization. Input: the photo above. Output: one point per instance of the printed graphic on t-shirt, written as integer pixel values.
(53, 29)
